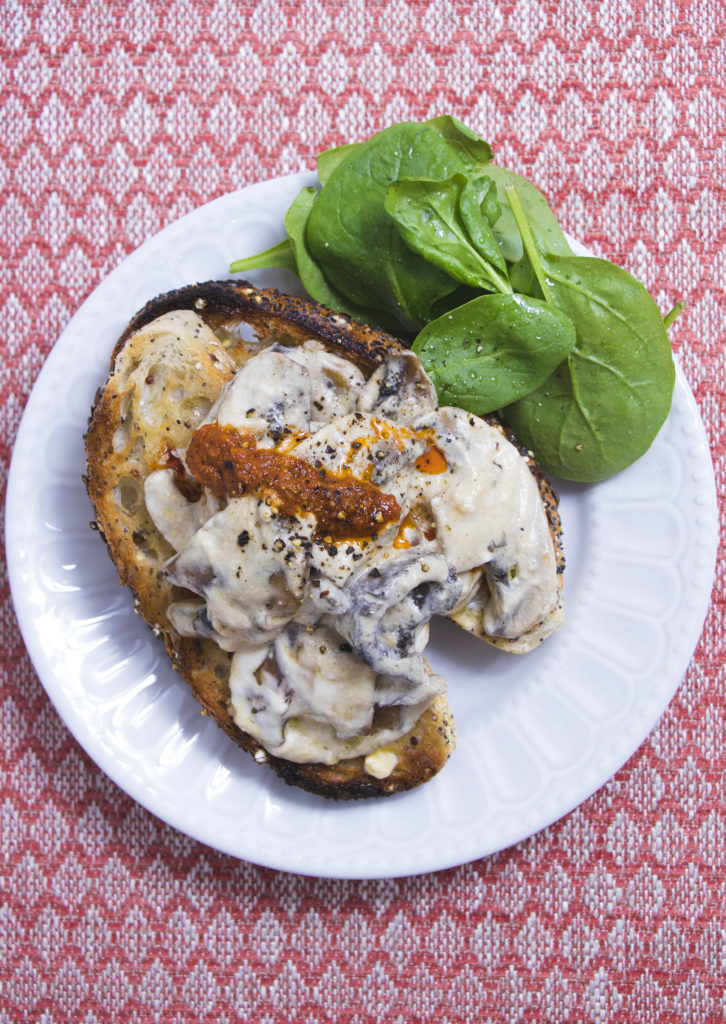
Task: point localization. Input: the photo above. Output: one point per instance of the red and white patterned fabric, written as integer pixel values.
(117, 117)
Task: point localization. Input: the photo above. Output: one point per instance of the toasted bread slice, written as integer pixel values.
(159, 391)
(157, 394)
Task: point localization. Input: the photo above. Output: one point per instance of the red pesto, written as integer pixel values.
(191, 490)
(229, 463)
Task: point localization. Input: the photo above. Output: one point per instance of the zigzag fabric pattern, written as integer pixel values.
(115, 119)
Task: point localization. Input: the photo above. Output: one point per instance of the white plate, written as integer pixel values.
(537, 734)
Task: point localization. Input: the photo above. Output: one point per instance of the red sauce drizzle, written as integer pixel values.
(229, 463)
(191, 489)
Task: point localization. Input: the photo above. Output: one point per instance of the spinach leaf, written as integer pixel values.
(462, 137)
(492, 350)
(329, 159)
(313, 279)
(545, 227)
(603, 406)
(353, 239)
(430, 216)
(280, 255)
(293, 254)
(523, 278)
(479, 209)
(348, 244)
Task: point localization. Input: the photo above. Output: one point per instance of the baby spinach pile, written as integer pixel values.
(415, 230)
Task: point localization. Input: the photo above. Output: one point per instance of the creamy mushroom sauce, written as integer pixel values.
(327, 638)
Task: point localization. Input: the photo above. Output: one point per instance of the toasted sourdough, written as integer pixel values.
(155, 398)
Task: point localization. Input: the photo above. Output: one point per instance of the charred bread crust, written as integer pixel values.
(270, 312)
(139, 551)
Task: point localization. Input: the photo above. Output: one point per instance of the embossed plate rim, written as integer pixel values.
(409, 834)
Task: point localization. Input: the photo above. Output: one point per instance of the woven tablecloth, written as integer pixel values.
(116, 118)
